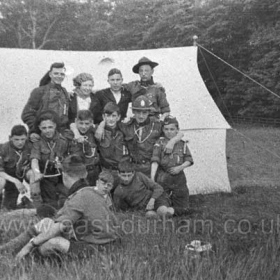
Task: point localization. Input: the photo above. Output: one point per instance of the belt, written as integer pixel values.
(90, 167)
(110, 168)
(143, 161)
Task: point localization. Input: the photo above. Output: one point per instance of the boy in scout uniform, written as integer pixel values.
(168, 169)
(14, 166)
(46, 157)
(137, 192)
(85, 145)
(148, 88)
(141, 133)
(111, 146)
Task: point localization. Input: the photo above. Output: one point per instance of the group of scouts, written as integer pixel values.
(80, 151)
(139, 162)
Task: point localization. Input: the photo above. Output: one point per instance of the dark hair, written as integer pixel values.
(126, 166)
(45, 211)
(114, 71)
(110, 108)
(18, 130)
(83, 115)
(74, 166)
(46, 78)
(170, 120)
(45, 116)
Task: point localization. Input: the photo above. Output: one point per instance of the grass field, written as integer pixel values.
(243, 227)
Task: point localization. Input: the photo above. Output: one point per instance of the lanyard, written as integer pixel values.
(138, 132)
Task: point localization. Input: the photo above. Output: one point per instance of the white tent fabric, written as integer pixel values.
(198, 115)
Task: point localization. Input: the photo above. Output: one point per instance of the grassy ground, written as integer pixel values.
(253, 156)
(242, 226)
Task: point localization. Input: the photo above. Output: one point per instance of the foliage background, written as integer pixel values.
(245, 33)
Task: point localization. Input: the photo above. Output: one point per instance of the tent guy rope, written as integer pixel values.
(239, 71)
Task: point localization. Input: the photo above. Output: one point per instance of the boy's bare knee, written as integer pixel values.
(2, 184)
(30, 175)
(164, 210)
(44, 225)
(56, 244)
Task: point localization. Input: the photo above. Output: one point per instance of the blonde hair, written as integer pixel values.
(82, 77)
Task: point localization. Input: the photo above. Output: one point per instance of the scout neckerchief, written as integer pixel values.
(84, 149)
(147, 83)
(139, 131)
(19, 168)
(52, 159)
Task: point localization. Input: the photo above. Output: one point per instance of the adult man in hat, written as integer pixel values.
(50, 95)
(148, 88)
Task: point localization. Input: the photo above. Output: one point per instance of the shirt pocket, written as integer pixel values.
(105, 143)
(45, 154)
(9, 161)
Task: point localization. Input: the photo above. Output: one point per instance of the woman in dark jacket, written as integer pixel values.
(82, 98)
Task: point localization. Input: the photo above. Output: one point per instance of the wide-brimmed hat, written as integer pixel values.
(143, 61)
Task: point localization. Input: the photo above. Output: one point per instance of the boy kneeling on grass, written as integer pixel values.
(168, 169)
(138, 192)
(84, 225)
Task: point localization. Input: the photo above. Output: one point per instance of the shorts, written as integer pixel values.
(163, 200)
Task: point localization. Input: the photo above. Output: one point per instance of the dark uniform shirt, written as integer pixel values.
(15, 162)
(49, 97)
(48, 150)
(88, 149)
(137, 193)
(112, 148)
(105, 96)
(141, 138)
(154, 92)
(179, 155)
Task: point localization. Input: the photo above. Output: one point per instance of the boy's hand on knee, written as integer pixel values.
(20, 186)
(151, 204)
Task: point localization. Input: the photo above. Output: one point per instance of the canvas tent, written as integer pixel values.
(198, 115)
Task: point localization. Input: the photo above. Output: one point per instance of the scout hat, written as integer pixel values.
(106, 176)
(143, 61)
(169, 120)
(141, 103)
(74, 164)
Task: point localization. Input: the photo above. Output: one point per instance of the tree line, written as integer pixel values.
(245, 33)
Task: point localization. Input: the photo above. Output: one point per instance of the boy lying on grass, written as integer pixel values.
(138, 192)
(83, 226)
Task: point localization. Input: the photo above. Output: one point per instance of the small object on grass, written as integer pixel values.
(197, 249)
